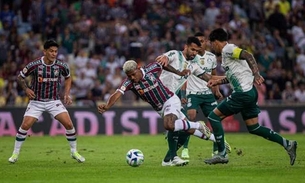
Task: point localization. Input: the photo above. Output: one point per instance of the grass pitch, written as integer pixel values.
(47, 160)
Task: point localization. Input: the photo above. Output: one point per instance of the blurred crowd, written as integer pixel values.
(97, 36)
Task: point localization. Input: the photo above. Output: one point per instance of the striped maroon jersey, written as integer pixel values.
(150, 88)
(46, 79)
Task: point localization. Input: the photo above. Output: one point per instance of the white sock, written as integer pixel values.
(199, 134)
(71, 137)
(212, 137)
(185, 125)
(20, 138)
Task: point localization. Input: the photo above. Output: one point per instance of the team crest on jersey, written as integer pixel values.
(56, 72)
(25, 70)
(151, 77)
(185, 66)
(202, 61)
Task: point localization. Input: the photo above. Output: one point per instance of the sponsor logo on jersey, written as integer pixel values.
(141, 92)
(41, 79)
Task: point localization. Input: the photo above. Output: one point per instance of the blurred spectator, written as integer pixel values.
(98, 36)
(300, 92)
(288, 95)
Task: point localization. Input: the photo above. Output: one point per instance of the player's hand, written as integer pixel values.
(218, 95)
(212, 82)
(67, 100)
(183, 101)
(258, 79)
(30, 93)
(185, 73)
(102, 108)
(162, 60)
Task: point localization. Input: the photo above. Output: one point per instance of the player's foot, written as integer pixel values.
(203, 128)
(216, 159)
(177, 161)
(185, 154)
(164, 163)
(78, 157)
(228, 147)
(13, 158)
(214, 153)
(292, 151)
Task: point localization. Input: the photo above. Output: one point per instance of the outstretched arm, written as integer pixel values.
(111, 101)
(170, 68)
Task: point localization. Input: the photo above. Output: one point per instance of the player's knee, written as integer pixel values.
(213, 117)
(191, 115)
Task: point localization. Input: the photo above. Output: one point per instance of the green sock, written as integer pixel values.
(186, 143)
(183, 139)
(268, 134)
(215, 147)
(218, 131)
(172, 140)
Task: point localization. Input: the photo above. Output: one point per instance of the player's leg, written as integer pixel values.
(60, 113)
(207, 105)
(32, 113)
(226, 108)
(186, 138)
(256, 129)
(250, 115)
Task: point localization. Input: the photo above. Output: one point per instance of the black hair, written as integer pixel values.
(49, 43)
(199, 34)
(218, 35)
(194, 40)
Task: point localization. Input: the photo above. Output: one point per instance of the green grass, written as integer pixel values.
(47, 159)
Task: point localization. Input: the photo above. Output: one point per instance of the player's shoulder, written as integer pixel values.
(171, 53)
(209, 54)
(35, 62)
(151, 67)
(61, 63)
(228, 49)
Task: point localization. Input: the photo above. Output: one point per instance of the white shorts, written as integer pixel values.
(172, 106)
(36, 108)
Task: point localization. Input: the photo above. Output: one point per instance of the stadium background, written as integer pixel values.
(97, 36)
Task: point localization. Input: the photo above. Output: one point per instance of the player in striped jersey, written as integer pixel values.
(44, 95)
(145, 83)
(241, 72)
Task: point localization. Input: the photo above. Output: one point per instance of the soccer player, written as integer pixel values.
(145, 83)
(180, 60)
(44, 95)
(198, 95)
(241, 72)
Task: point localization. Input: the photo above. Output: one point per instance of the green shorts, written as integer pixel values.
(243, 102)
(206, 102)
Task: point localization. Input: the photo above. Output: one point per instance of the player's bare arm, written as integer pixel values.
(258, 79)
(21, 81)
(217, 80)
(170, 68)
(111, 101)
(67, 97)
(215, 89)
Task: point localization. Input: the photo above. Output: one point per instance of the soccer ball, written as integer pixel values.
(134, 157)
